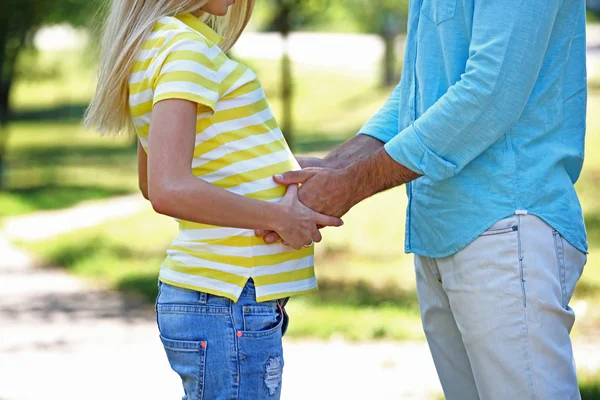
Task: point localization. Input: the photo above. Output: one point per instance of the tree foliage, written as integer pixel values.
(19, 21)
(386, 18)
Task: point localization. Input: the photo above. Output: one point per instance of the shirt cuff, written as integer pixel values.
(377, 130)
(408, 150)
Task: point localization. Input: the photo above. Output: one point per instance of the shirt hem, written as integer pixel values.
(458, 247)
(202, 289)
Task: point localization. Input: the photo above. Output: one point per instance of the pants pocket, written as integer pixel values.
(570, 263)
(260, 318)
(188, 359)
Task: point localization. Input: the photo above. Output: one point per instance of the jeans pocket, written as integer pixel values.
(286, 318)
(188, 359)
(260, 318)
(439, 10)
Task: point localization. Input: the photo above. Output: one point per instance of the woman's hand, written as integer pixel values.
(298, 225)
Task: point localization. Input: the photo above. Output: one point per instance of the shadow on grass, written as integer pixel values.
(590, 392)
(592, 224)
(51, 197)
(363, 294)
(63, 112)
(83, 155)
(98, 257)
(590, 387)
(144, 285)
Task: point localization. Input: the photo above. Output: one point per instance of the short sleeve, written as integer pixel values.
(188, 73)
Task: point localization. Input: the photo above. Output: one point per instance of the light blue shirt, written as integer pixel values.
(491, 111)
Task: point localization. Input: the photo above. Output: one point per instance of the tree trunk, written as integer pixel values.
(4, 114)
(389, 60)
(4, 109)
(287, 124)
(8, 60)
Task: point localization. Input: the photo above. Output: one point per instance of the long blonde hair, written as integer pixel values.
(128, 24)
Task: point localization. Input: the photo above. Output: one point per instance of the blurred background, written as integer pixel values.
(81, 248)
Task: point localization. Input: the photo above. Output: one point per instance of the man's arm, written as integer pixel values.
(354, 149)
(334, 191)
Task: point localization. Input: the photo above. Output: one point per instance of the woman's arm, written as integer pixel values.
(142, 170)
(173, 189)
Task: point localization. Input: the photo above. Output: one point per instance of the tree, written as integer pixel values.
(289, 15)
(593, 7)
(386, 18)
(19, 21)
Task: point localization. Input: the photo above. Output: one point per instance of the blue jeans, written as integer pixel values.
(220, 349)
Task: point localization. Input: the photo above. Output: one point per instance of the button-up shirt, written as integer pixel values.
(491, 111)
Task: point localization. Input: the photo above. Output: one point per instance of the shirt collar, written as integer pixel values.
(199, 26)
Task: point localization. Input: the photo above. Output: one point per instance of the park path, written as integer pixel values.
(65, 338)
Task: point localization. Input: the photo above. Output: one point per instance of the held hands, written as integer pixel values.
(323, 190)
(298, 226)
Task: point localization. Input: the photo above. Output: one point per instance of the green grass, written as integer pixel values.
(589, 386)
(54, 165)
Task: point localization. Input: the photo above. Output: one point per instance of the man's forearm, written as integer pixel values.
(376, 173)
(353, 150)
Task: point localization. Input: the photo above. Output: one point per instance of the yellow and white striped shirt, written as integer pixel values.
(239, 147)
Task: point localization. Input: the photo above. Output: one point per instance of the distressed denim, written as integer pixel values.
(496, 314)
(221, 349)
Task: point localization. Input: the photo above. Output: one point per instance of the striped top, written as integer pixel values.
(239, 147)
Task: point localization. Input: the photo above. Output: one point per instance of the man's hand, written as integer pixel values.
(311, 162)
(298, 225)
(334, 191)
(322, 189)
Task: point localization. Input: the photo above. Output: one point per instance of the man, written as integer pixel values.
(487, 125)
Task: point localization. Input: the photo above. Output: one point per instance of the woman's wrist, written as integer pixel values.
(275, 216)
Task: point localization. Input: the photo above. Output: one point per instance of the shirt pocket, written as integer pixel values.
(439, 10)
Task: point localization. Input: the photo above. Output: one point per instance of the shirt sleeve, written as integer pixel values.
(509, 41)
(188, 73)
(384, 125)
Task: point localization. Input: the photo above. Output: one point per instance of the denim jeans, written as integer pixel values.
(220, 349)
(497, 317)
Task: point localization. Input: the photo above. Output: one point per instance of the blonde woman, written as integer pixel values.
(208, 148)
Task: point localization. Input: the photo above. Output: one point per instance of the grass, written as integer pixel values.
(53, 165)
(589, 386)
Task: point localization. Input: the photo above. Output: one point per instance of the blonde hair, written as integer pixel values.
(128, 24)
